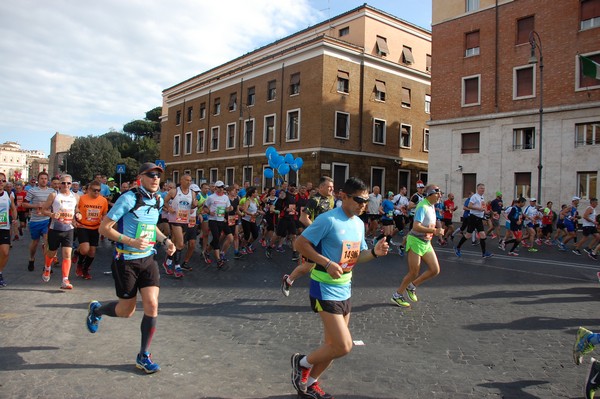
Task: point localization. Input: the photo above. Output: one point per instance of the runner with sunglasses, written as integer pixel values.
(92, 207)
(418, 247)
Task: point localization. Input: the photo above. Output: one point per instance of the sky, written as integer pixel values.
(88, 67)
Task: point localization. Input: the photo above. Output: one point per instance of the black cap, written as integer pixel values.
(148, 166)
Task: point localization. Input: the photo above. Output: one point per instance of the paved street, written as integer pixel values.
(499, 328)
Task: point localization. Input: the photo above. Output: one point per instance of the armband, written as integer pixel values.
(164, 242)
(120, 238)
(373, 253)
(327, 265)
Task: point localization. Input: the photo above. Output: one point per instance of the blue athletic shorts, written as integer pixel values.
(38, 229)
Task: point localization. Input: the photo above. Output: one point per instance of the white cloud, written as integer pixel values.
(82, 67)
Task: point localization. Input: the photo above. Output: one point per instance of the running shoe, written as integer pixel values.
(243, 251)
(593, 380)
(144, 362)
(186, 266)
(502, 246)
(269, 252)
(79, 270)
(299, 374)
(525, 244)
(2, 281)
(178, 272)
(249, 249)
(532, 249)
(400, 301)
(263, 243)
(411, 292)
(31, 266)
(548, 242)
(512, 253)
(582, 347)
(280, 249)
(587, 250)
(66, 285)
(220, 263)
(562, 247)
(92, 320)
(401, 250)
(538, 241)
(457, 252)
(576, 252)
(237, 255)
(494, 236)
(295, 256)
(207, 259)
(592, 255)
(16, 237)
(87, 275)
(167, 268)
(46, 274)
(487, 255)
(315, 392)
(285, 286)
(475, 243)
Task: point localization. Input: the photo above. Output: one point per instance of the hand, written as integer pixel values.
(171, 248)
(381, 248)
(335, 270)
(439, 232)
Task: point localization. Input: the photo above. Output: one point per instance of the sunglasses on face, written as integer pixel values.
(2, 181)
(153, 175)
(360, 200)
(66, 183)
(433, 191)
(95, 190)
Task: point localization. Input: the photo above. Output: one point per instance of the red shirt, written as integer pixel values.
(19, 199)
(449, 208)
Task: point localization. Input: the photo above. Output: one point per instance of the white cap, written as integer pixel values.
(219, 183)
(575, 198)
(194, 187)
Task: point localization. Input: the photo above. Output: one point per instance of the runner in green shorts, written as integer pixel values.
(418, 246)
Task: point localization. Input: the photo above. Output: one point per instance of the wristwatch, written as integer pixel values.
(164, 242)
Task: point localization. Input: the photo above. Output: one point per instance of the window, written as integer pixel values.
(471, 5)
(469, 143)
(426, 140)
(523, 184)
(587, 134)
(342, 125)
(344, 31)
(293, 126)
(405, 97)
(176, 176)
(214, 138)
(217, 106)
(271, 90)
(378, 178)
(524, 82)
(590, 14)
(231, 133)
(524, 139)
(472, 44)
(202, 110)
(343, 82)
(232, 102)
(378, 131)
(247, 174)
(340, 173)
(190, 113)
(524, 28)
(187, 145)
(229, 176)
(587, 183)
(200, 141)
(176, 145)
(469, 184)
(249, 133)
(403, 179)
(251, 96)
(379, 90)
(427, 104)
(405, 136)
(424, 177)
(428, 63)
(382, 48)
(200, 176)
(269, 132)
(407, 55)
(214, 175)
(586, 81)
(295, 84)
(470, 91)
(178, 118)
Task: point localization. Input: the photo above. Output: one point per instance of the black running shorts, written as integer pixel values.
(133, 275)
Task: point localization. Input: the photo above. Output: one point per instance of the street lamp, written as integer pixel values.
(247, 136)
(536, 42)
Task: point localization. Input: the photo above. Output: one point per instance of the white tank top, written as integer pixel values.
(587, 223)
(64, 204)
(182, 204)
(4, 211)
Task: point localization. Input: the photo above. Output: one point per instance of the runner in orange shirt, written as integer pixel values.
(93, 207)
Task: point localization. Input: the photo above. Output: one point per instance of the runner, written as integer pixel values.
(8, 210)
(22, 212)
(475, 222)
(217, 205)
(585, 341)
(335, 242)
(38, 222)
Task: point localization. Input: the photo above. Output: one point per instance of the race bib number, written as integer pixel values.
(220, 211)
(3, 220)
(148, 231)
(182, 216)
(92, 215)
(350, 253)
(19, 201)
(231, 219)
(292, 209)
(65, 216)
(253, 218)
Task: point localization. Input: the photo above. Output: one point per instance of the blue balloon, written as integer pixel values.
(280, 160)
(270, 150)
(283, 169)
(268, 173)
(275, 162)
(289, 158)
(294, 166)
(299, 161)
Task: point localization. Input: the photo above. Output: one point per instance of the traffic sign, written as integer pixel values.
(121, 169)
(161, 163)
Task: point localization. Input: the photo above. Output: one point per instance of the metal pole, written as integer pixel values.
(536, 42)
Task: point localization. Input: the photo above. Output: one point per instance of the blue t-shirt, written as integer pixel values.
(339, 238)
(388, 210)
(467, 212)
(134, 224)
(104, 190)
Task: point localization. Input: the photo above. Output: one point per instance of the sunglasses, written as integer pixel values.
(153, 175)
(96, 190)
(66, 183)
(360, 200)
(2, 181)
(433, 191)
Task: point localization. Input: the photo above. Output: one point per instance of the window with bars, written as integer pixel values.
(587, 134)
(524, 138)
(343, 82)
(472, 43)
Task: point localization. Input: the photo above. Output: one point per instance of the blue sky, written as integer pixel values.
(82, 68)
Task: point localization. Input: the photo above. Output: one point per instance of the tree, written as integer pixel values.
(91, 155)
(147, 127)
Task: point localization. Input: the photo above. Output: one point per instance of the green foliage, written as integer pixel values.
(154, 114)
(91, 155)
(145, 127)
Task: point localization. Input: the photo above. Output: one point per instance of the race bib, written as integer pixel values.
(350, 253)
(292, 209)
(65, 216)
(92, 215)
(147, 230)
(231, 219)
(3, 220)
(220, 211)
(182, 216)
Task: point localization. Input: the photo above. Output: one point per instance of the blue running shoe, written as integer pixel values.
(144, 362)
(582, 345)
(92, 320)
(487, 255)
(457, 252)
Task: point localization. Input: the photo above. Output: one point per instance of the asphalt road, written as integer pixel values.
(496, 328)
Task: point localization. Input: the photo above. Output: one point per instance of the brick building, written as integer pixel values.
(59, 148)
(350, 96)
(485, 124)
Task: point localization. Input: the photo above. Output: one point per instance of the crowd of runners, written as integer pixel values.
(324, 232)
